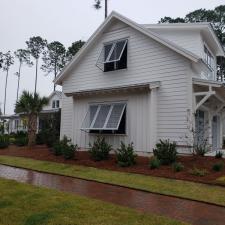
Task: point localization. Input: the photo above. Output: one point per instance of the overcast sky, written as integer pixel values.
(67, 21)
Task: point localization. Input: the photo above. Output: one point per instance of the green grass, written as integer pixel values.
(23, 204)
(185, 189)
(221, 180)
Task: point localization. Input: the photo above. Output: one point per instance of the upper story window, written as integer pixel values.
(55, 104)
(113, 56)
(208, 58)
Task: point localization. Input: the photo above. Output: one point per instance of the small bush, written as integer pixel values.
(219, 155)
(198, 172)
(166, 152)
(65, 148)
(177, 167)
(125, 155)
(154, 163)
(12, 140)
(218, 166)
(57, 148)
(21, 141)
(4, 141)
(100, 149)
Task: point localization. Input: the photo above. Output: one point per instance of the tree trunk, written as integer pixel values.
(32, 129)
(18, 84)
(35, 88)
(106, 8)
(6, 82)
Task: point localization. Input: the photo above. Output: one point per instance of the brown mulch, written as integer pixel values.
(142, 166)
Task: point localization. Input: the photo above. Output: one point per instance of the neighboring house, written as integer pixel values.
(18, 122)
(141, 83)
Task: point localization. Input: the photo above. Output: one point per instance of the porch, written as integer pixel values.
(208, 108)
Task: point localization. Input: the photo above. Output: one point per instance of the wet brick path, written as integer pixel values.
(184, 210)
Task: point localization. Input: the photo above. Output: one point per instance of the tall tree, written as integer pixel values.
(8, 61)
(54, 58)
(98, 5)
(23, 56)
(31, 105)
(36, 46)
(1, 59)
(217, 18)
(73, 49)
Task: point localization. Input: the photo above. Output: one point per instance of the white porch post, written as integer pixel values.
(153, 105)
(210, 127)
(221, 129)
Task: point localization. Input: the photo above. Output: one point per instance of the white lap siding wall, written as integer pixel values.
(137, 120)
(148, 61)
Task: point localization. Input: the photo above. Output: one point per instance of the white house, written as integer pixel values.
(141, 83)
(18, 122)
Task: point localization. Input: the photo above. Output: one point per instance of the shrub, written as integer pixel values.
(125, 155)
(65, 148)
(219, 155)
(218, 166)
(100, 149)
(198, 172)
(21, 141)
(177, 167)
(57, 148)
(154, 163)
(4, 141)
(166, 152)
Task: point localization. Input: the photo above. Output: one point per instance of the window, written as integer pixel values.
(106, 118)
(208, 58)
(57, 103)
(113, 56)
(16, 125)
(53, 104)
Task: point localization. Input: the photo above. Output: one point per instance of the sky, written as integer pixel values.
(68, 21)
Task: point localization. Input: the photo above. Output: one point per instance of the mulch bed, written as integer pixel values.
(142, 166)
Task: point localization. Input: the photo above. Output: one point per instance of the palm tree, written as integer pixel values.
(97, 5)
(31, 105)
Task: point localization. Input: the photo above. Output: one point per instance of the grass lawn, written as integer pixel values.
(190, 190)
(23, 204)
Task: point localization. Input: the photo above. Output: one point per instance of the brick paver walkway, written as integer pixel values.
(196, 213)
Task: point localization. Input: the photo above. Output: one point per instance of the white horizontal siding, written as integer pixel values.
(190, 40)
(148, 61)
(66, 117)
(137, 121)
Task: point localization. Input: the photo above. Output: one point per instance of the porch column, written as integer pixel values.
(153, 105)
(210, 115)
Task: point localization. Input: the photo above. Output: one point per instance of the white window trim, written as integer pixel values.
(107, 118)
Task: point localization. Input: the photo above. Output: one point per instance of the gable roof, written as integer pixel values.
(205, 27)
(114, 15)
(58, 93)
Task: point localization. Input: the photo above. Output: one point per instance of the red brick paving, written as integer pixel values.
(193, 212)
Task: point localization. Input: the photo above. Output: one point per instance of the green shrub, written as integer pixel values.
(4, 141)
(65, 148)
(166, 152)
(12, 140)
(125, 155)
(57, 148)
(218, 166)
(154, 163)
(198, 172)
(100, 149)
(21, 141)
(219, 155)
(177, 167)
